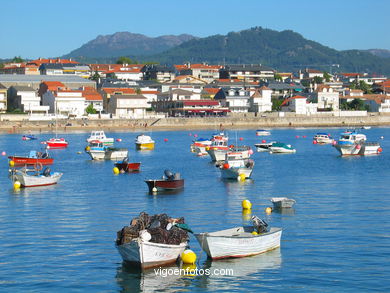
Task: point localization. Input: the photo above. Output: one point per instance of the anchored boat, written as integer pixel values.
(98, 151)
(354, 143)
(169, 182)
(144, 142)
(34, 178)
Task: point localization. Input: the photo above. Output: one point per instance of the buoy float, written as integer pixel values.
(17, 184)
(188, 256)
(154, 189)
(246, 204)
(254, 233)
(195, 135)
(382, 137)
(207, 148)
(115, 170)
(250, 151)
(226, 166)
(297, 136)
(241, 138)
(3, 153)
(380, 150)
(268, 210)
(304, 136)
(165, 139)
(241, 177)
(334, 142)
(358, 147)
(87, 148)
(190, 134)
(263, 141)
(119, 139)
(314, 142)
(189, 269)
(12, 163)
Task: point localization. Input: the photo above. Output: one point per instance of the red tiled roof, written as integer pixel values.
(124, 91)
(211, 91)
(53, 85)
(291, 98)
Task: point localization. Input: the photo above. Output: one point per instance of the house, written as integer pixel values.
(260, 101)
(125, 71)
(327, 98)
(92, 97)
(159, 73)
(299, 105)
(107, 92)
(188, 79)
(3, 98)
(204, 72)
(246, 72)
(128, 106)
(26, 99)
(196, 108)
(65, 69)
(310, 73)
(377, 103)
(236, 99)
(209, 92)
(283, 89)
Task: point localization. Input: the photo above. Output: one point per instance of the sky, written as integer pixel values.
(52, 28)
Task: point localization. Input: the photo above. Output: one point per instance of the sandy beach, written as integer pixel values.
(240, 122)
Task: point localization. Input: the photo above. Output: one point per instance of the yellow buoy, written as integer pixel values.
(17, 184)
(242, 177)
(246, 204)
(188, 256)
(11, 163)
(255, 233)
(207, 148)
(268, 210)
(115, 170)
(87, 148)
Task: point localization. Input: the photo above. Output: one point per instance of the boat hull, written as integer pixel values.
(128, 167)
(148, 254)
(281, 150)
(219, 246)
(235, 173)
(165, 185)
(27, 180)
(30, 161)
(358, 149)
(108, 154)
(144, 146)
(56, 144)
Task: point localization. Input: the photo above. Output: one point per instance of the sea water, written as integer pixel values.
(336, 238)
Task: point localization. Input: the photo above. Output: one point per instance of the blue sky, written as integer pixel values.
(51, 28)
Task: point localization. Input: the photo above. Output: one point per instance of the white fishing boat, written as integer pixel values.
(144, 142)
(149, 254)
(322, 138)
(264, 146)
(236, 167)
(282, 202)
(98, 151)
(238, 242)
(354, 143)
(34, 178)
(281, 148)
(100, 136)
(262, 132)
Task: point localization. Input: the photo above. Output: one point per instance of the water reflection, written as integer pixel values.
(234, 187)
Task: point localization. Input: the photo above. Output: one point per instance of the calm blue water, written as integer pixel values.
(337, 239)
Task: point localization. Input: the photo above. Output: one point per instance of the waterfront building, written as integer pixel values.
(236, 99)
(247, 72)
(128, 106)
(65, 69)
(161, 73)
(204, 72)
(196, 108)
(327, 98)
(299, 105)
(3, 98)
(25, 99)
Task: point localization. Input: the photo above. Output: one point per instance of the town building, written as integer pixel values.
(3, 98)
(25, 99)
(247, 72)
(236, 99)
(128, 106)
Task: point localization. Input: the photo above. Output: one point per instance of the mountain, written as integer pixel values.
(126, 44)
(284, 51)
(380, 52)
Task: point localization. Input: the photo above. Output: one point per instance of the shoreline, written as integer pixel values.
(175, 124)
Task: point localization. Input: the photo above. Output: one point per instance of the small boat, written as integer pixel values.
(218, 148)
(125, 166)
(29, 137)
(98, 151)
(282, 202)
(322, 138)
(236, 167)
(32, 158)
(169, 182)
(100, 136)
(148, 254)
(56, 143)
(264, 146)
(144, 142)
(366, 127)
(354, 143)
(279, 147)
(240, 241)
(200, 145)
(34, 178)
(262, 132)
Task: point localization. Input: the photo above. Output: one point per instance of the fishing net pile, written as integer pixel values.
(159, 228)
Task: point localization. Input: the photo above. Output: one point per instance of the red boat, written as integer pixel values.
(56, 143)
(125, 166)
(32, 158)
(169, 182)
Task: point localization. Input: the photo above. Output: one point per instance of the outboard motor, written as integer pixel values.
(169, 174)
(259, 225)
(46, 172)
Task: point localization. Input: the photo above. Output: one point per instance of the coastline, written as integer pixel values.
(173, 124)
